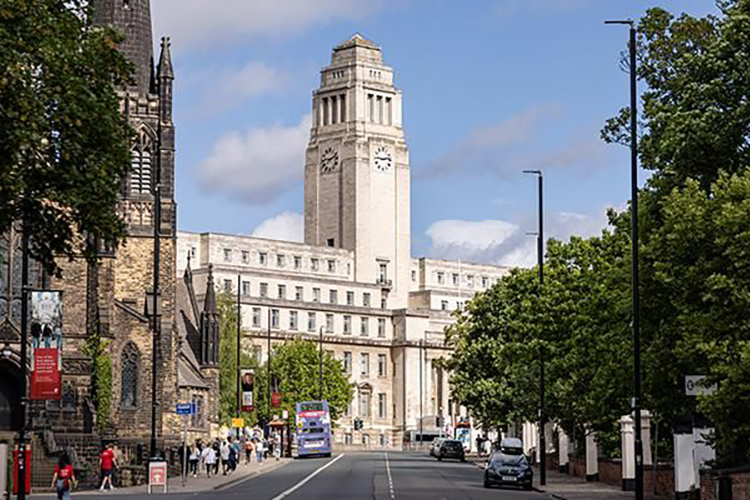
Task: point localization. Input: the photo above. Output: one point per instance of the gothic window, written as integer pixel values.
(130, 361)
(68, 397)
(141, 167)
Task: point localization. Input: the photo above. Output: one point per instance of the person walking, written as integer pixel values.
(259, 449)
(195, 456)
(63, 479)
(224, 452)
(248, 450)
(107, 462)
(209, 459)
(277, 445)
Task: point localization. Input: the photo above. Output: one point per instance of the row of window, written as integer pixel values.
(379, 109)
(456, 279)
(365, 406)
(332, 110)
(281, 260)
(294, 322)
(445, 305)
(299, 293)
(364, 364)
(365, 439)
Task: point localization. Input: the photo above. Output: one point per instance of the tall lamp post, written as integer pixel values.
(634, 248)
(320, 365)
(540, 263)
(154, 313)
(239, 350)
(22, 465)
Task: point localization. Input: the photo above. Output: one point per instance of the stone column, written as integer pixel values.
(646, 437)
(592, 457)
(563, 445)
(703, 451)
(684, 467)
(628, 452)
(3, 469)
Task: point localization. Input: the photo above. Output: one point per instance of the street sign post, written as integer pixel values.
(157, 475)
(186, 410)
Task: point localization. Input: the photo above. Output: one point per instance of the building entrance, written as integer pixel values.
(10, 398)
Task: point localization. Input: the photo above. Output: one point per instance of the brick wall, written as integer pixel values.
(740, 483)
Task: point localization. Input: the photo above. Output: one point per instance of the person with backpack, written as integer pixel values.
(63, 479)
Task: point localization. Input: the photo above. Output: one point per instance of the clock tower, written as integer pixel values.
(357, 169)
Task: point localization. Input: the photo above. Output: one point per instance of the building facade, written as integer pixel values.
(382, 312)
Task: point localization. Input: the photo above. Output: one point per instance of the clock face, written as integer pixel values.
(382, 159)
(329, 161)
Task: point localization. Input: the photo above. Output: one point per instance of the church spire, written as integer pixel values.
(165, 60)
(209, 305)
(133, 18)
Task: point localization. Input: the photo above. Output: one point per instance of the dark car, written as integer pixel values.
(508, 467)
(451, 448)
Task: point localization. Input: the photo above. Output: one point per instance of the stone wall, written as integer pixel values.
(712, 482)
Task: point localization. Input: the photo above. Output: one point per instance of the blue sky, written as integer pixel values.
(490, 87)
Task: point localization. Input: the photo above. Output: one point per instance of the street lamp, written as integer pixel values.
(634, 248)
(540, 263)
(320, 365)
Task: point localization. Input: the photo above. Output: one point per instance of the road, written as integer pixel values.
(375, 475)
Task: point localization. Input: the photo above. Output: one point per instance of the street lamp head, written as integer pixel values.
(533, 172)
(622, 21)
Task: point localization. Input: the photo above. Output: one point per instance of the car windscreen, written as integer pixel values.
(501, 458)
(313, 430)
(452, 445)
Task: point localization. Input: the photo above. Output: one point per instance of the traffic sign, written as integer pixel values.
(695, 386)
(238, 422)
(185, 409)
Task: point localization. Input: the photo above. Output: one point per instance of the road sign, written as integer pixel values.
(157, 475)
(185, 408)
(238, 422)
(694, 386)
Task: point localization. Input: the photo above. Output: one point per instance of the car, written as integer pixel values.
(435, 448)
(508, 466)
(451, 448)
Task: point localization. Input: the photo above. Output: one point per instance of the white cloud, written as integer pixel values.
(207, 23)
(505, 243)
(258, 165)
(287, 226)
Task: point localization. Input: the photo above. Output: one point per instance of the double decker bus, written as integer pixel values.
(313, 429)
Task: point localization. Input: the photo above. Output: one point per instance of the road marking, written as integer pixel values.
(390, 478)
(304, 481)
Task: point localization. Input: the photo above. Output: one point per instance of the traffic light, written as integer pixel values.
(357, 424)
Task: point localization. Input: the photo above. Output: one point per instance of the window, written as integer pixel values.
(130, 361)
(381, 327)
(388, 111)
(470, 280)
(347, 324)
(192, 252)
(227, 255)
(382, 363)
(264, 289)
(331, 266)
(364, 328)
(245, 288)
(366, 299)
(342, 107)
(364, 405)
(297, 262)
(329, 323)
(274, 318)
(282, 292)
(485, 281)
(366, 437)
(383, 273)
(298, 293)
(140, 165)
(293, 315)
(228, 285)
(314, 264)
(349, 298)
(196, 419)
(326, 119)
(440, 277)
(316, 295)
(245, 257)
(443, 305)
(256, 317)
(348, 440)
(371, 107)
(333, 296)
(381, 437)
(330, 242)
(380, 109)
(383, 303)
(364, 364)
(455, 279)
(382, 405)
(413, 278)
(311, 322)
(280, 260)
(348, 362)
(263, 258)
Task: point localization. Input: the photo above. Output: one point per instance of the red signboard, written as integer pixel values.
(276, 399)
(157, 474)
(27, 464)
(46, 380)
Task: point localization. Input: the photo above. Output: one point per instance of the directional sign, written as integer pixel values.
(185, 408)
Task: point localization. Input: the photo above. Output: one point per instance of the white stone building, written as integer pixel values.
(354, 276)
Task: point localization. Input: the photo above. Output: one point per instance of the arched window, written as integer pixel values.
(141, 165)
(129, 363)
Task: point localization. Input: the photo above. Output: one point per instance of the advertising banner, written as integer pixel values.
(46, 344)
(246, 377)
(275, 400)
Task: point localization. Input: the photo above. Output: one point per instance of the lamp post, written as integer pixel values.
(239, 347)
(638, 442)
(540, 263)
(421, 393)
(320, 365)
(22, 465)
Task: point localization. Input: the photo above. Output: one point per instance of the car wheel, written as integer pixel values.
(527, 487)
(440, 459)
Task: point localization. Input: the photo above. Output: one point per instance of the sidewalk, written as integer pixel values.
(193, 484)
(565, 487)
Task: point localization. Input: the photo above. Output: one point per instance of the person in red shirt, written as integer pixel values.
(64, 479)
(107, 462)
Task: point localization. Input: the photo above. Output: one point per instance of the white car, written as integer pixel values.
(435, 449)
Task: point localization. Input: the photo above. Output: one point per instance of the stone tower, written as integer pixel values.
(357, 169)
(209, 326)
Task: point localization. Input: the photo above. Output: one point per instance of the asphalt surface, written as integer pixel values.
(355, 476)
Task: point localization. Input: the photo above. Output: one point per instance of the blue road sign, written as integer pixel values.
(185, 408)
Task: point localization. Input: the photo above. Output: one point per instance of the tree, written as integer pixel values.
(64, 146)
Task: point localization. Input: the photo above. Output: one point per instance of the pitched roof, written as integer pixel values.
(356, 40)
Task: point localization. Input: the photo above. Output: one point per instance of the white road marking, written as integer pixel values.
(304, 481)
(390, 478)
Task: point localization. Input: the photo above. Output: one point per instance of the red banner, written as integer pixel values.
(46, 380)
(27, 464)
(276, 400)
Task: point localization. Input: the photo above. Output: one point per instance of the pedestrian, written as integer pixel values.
(107, 462)
(217, 453)
(259, 451)
(224, 452)
(195, 455)
(209, 459)
(277, 445)
(63, 479)
(235, 454)
(248, 450)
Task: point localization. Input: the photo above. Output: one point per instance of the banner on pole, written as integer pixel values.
(46, 344)
(246, 377)
(276, 400)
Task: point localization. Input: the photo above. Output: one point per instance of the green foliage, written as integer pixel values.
(64, 146)
(101, 377)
